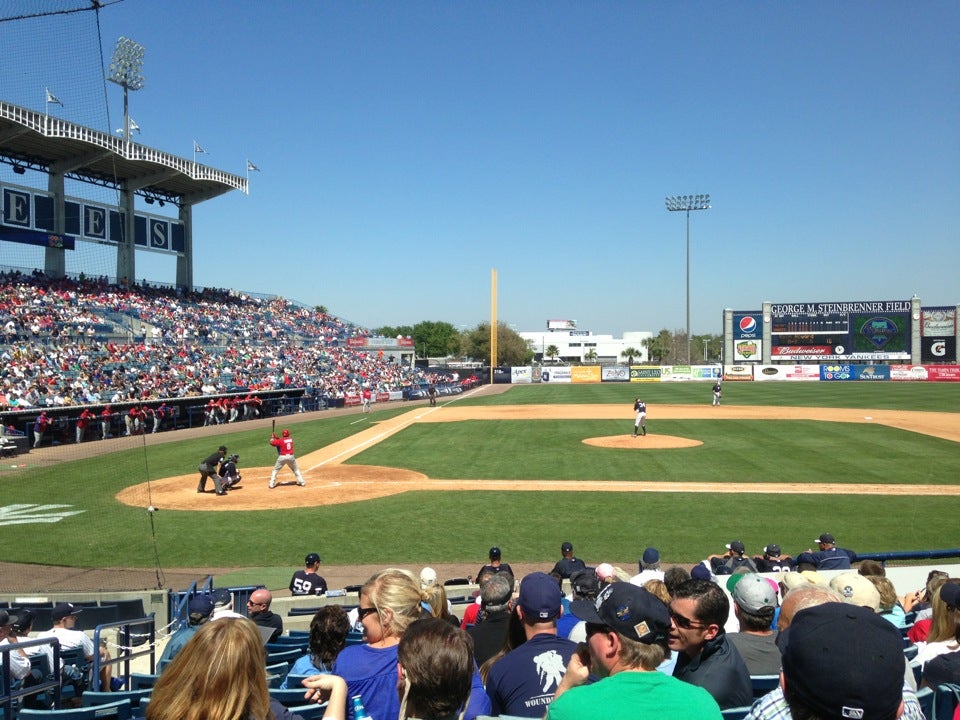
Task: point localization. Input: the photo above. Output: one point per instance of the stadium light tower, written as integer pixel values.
(686, 203)
(126, 70)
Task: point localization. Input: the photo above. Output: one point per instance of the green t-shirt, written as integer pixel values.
(635, 695)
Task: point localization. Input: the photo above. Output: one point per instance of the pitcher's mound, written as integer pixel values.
(642, 442)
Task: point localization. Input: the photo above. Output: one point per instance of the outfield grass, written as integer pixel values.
(425, 527)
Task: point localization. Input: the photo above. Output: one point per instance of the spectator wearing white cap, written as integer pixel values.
(754, 605)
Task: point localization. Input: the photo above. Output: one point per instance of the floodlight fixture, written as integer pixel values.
(686, 203)
(19, 169)
(126, 70)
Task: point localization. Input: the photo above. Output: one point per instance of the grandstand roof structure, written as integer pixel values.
(42, 142)
(38, 141)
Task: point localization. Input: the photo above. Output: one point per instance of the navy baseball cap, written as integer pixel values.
(6, 619)
(494, 553)
(825, 538)
(737, 546)
(540, 596)
(844, 661)
(772, 550)
(651, 556)
(201, 605)
(950, 594)
(311, 559)
(630, 610)
(222, 597)
(63, 609)
(566, 547)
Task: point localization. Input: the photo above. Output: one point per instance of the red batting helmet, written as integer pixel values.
(286, 433)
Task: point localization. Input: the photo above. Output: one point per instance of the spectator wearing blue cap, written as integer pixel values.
(648, 566)
(626, 641)
(567, 565)
(496, 564)
(199, 611)
(523, 681)
(828, 556)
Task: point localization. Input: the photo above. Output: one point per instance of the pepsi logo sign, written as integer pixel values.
(748, 324)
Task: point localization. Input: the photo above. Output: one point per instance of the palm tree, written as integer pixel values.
(590, 355)
(552, 351)
(630, 353)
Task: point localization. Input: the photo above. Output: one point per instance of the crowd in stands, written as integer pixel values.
(85, 341)
(682, 642)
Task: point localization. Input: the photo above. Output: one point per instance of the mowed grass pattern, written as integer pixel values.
(425, 527)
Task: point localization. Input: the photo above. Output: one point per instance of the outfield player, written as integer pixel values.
(640, 424)
(717, 392)
(284, 446)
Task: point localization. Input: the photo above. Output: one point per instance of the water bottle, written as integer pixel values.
(359, 711)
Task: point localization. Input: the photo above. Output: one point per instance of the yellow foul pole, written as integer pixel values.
(493, 321)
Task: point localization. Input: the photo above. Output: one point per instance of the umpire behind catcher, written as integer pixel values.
(208, 469)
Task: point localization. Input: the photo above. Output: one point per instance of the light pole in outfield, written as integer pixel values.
(686, 203)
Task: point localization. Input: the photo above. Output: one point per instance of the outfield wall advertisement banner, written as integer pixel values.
(615, 373)
(555, 374)
(738, 372)
(806, 373)
(585, 374)
(521, 375)
(833, 373)
(936, 373)
(644, 374)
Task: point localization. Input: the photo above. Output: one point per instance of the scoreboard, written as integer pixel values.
(876, 330)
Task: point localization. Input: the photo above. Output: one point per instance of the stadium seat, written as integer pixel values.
(288, 656)
(762, 684)
(276, 674)
(119, 710)
(945, 702)
(308, 712)
(139, 681)
(302, 611)
(129, 609)
(288, 640)
(290, 697)
(296, 681)
(91, 617)
(925, 696)
(737, 713)
(100, 697)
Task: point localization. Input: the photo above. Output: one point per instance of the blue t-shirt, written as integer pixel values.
(304, 666)
(524, 680)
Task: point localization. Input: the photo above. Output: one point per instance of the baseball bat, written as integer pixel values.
(273, 426)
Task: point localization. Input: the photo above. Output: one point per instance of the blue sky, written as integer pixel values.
(407, 148)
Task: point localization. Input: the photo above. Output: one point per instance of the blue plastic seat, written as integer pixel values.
(119, 710)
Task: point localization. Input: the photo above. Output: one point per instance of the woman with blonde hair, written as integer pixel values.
(220, 674)
(390, 602)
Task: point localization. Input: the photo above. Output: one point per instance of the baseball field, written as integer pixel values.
(522, 467)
